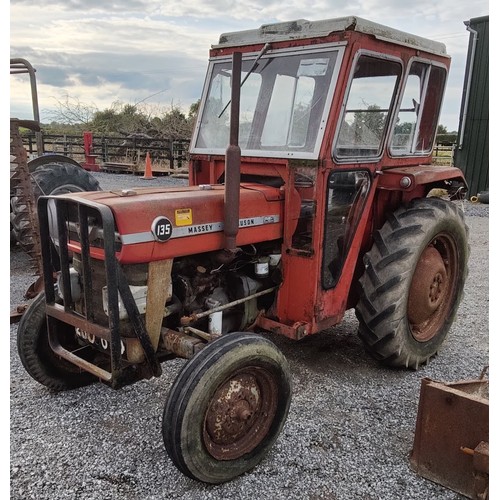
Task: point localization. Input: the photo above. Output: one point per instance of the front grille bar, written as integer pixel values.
(86, 272)
(58, 207)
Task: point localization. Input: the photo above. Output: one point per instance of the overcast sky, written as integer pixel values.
(100, 52)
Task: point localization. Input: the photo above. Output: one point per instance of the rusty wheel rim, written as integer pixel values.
(240, 413)
(432, 288)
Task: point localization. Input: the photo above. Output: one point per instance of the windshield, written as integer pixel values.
(283, 104)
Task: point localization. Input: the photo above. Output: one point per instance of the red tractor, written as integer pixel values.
(310, 192)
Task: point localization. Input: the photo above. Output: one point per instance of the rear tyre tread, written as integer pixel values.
(381, 309)
(47, 179)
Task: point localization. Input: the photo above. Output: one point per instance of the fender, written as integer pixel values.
(410, 178)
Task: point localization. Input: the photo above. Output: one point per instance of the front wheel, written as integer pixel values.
(413, 282)
(227, 407)
(37, 357)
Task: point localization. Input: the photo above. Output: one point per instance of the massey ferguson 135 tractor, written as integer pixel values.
(310, 192)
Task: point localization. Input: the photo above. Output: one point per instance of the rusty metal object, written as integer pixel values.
(181, 344)
(428, 286)
(481, 463)
(20, 184)
(17, 313)
(209, 337)
(451, 437)
(35, 288)
(432, 288)
(22, 66)
(20, 180)
(187, 320)
(240, 413)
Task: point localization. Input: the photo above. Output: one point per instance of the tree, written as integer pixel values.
(404, 128)
(368, 126)
(74, 117)
(193, 109)
(71, 111)
(193, 114)
(122, 119)
(175, 124)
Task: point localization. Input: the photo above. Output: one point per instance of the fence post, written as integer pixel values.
(103, 150)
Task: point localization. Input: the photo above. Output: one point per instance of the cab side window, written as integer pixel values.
(368, 106)
(417, 117)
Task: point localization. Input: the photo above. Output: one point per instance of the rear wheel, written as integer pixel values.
(413, 282)
(62, 178)
(227, 407)
(37, 357)
(49, 179)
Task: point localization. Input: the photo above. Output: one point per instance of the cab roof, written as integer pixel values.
(302, 28)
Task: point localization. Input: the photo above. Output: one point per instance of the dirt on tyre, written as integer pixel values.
(227, 407)
(37, 357)
(413, 282)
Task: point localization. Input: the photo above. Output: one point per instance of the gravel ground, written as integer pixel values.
(348, 435)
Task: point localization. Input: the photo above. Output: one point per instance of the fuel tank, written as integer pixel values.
(163, 223)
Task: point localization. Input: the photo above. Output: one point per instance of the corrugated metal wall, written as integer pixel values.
(472, 152)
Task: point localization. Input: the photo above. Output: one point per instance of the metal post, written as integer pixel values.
(233, 161)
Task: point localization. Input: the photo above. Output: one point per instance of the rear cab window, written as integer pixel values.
(415, 125)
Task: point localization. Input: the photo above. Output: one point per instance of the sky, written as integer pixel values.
(99, 53)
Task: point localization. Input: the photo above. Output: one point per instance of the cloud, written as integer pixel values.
(86, 5)
(130, 49)
(127, 59)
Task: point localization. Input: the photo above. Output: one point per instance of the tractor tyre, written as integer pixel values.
(62, 178)
(413, 282)
(227, 407)
(37, 357)
(48, 179)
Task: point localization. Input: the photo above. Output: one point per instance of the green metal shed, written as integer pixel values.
(472, 151)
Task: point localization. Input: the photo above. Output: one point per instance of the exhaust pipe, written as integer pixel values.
(233, 161)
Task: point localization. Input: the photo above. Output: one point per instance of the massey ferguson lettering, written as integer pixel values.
(162, 229)
(202, 228)
(247, 222)
(213, 227)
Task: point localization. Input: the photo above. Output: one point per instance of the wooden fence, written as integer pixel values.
(443, 153)
(116, 151)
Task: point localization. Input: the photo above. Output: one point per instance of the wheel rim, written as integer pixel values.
(432, 288)
(67, 188)
(240, 413)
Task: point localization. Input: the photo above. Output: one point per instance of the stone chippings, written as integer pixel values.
(348, 435)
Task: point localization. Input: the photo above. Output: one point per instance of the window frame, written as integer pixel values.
(431, 63)
(325, 283)
(390, 114)
(339, 47)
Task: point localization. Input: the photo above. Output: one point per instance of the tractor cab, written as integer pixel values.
(343, 112)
